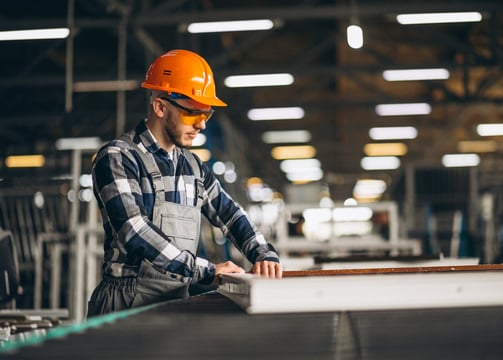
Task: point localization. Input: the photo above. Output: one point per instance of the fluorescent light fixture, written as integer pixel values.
(438, 18)
(294, 165)
(35, 34)
(403, 109)
(385, 149)
(81, 143)
(200, 140)
(460, 160)
(24, 161)
(352, 213)
(393, 133)
(204, 154)
(317, 215)
(415, 74)
(279, 113)
(495, 129)
(224, 26)
(280, 79)
(293, 152)
(308, 175)
(286, 136)
(369, 188)
(354, 34)
(113, 85)
(380, 163)
(477, 146)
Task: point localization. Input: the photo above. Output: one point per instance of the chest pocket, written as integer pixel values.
(181, 223)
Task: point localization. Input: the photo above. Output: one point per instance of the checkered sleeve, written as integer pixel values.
(225, 213)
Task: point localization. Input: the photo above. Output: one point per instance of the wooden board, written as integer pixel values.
(367, 289)
(392, 270)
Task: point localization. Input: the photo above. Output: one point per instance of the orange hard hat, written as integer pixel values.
(183, 72)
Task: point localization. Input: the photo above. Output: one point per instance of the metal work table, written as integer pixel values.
(210, 326)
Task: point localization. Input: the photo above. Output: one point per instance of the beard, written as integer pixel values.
(175, 135)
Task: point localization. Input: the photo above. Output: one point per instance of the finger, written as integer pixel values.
(272, 270)
(256, 269)
(265, 269)
(279, 271)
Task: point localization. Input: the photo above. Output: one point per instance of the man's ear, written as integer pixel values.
(158, 107)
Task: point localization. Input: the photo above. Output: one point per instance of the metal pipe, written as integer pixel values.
(69, 57)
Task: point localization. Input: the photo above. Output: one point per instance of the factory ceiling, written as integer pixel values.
(337, 86)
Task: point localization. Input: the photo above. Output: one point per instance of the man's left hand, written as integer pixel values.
(269, 269)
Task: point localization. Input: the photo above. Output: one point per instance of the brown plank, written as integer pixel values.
(422, 269)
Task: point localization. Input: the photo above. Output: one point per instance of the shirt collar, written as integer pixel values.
(150, 143)
(146, 137)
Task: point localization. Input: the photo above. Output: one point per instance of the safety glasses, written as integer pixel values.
(190, 116)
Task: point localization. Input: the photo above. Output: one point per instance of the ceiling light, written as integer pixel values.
(317, 215)
(279, 113)
(438, 18)
(352, 213)
(218, 167)
(490, 129)
(380, 163)
(224, 26)
(293, 152)
(24, 161)
(286, 136)
(293, 165)
(350, 202)
(369, 188)
(403, 109)
(460, 160)
(308, 175)
(385, 149)
(280, 79)
(35, 34)
(230, 176)
(82, 143)
(354, 34)
(415, 74)
(477, 146)
(393, 133)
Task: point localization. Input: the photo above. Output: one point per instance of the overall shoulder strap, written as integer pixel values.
(149, 162)
(196, 167)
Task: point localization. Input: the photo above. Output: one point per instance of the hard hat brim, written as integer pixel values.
(208, 101)
(205, 100)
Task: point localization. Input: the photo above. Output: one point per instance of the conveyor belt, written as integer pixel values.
(210, 326)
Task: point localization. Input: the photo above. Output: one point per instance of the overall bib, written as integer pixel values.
(181, 223)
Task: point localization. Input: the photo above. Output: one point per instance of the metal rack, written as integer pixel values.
(370, 242)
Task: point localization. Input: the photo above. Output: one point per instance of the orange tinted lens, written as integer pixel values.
(192, 119)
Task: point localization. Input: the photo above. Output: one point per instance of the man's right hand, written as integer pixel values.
(227, 267)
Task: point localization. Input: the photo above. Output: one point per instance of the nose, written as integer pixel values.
(201, 125)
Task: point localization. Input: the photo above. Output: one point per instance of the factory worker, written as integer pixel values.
(151, 191)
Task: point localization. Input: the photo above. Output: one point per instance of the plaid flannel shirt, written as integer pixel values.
(125, 198)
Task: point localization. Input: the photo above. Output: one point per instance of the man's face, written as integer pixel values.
(185, 119)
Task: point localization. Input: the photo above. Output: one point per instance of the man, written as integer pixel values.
(152, 191)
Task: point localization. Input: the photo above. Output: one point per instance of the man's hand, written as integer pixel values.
(227, 268)
(269, 269)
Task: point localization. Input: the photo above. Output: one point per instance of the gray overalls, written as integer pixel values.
(179, 222)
